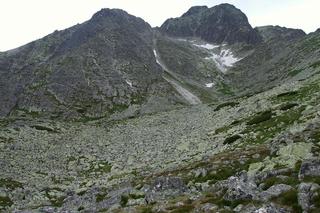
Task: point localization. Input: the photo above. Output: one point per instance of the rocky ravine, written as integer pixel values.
(186, 94)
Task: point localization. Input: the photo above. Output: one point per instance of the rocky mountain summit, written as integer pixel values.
(205, 114)
(220, 24)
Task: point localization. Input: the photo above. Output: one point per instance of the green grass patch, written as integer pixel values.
(10, 184)
(270, 127)
(261, 117)
(316, 136)
(289, 199)
(293, 73)
(292, 181)
(136, 196)
(227, 104)
(232, 139)
(287, 106)
(5, 202)
(222, 129)
(124, 200)
(100, 197)
(214, 199)
(225, 89)
(302, 95)
(316, 200)
(55, 200)
(97, 168)
(315, 65)
(225, 171)
(144, 209)
(309, 179)
(221, 174)
(287, 94)
(182, 209)
(80, 208)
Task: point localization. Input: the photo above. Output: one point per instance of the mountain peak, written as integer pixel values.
(195, 10)
(223, 23)
(109, 12)
(225, 5)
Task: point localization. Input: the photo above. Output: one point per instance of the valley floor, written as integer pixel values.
(254, 154)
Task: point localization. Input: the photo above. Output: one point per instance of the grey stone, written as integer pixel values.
(241, 188)
(207, 208)
(310, 168)
(275, 191)
(305, 194)
(164, 187)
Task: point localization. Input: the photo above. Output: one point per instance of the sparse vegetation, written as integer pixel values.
(124, 200)
(55, 196)
(288, 106)
(289, 199)
(295, 72)
(232, 139)
(287, 94)
(261, 117)
(5, 202)
(10, 184)
(227, 104)
(292, 181)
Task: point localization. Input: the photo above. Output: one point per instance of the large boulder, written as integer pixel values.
(310, 168)
(241, 187)
(306, 193)
(275, 191)
(164, 187)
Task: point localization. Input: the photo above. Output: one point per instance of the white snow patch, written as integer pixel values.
(157, 57)
(261, 210)
(209, 85)
(181, 39)
(223, 58)
(129, 83)
(207, 46)
(228, 58)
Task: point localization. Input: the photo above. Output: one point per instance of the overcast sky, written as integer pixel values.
(22, 21)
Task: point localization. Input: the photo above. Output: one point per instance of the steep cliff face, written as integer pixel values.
(220, 24)
(94, 68)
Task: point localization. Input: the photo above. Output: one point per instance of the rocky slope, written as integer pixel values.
(255, 153)
(98, 117)
(282, 33)
(277, 60)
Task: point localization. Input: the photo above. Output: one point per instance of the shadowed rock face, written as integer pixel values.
(99, 66)
(220, 24)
